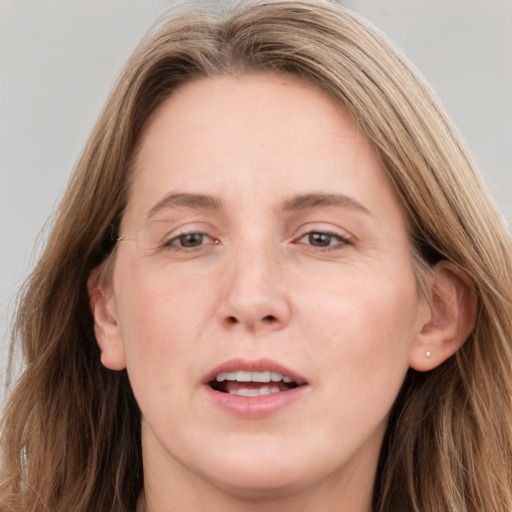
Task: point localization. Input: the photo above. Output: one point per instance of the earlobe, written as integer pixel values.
(453, 310)
(106, 327)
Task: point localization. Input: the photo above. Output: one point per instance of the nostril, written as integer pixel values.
(232, 320)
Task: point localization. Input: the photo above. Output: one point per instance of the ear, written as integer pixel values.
(453, 310)
(106, 327)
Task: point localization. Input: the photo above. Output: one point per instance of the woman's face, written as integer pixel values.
(270, 248)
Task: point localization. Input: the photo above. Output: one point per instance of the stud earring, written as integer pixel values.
(428, 354)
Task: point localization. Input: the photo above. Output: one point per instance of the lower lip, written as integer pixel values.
(252, 407)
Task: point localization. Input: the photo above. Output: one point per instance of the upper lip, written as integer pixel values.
(256, 365)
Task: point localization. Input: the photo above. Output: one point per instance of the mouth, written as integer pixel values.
(252, 383)
(254, 389)
(253, 378)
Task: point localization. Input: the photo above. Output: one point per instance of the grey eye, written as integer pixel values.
(319, 239)
(189, 240)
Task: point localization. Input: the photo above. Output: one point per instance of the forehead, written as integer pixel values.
(268, 136)
(231, 107)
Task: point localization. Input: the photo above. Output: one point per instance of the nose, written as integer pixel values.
(255, 295)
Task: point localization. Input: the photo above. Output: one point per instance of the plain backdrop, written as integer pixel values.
(59, 59)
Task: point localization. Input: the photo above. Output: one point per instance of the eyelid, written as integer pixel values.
(344, 237)
(341, 240)
(328, 228)
(169, 240)
(166, 235)
(178, 227)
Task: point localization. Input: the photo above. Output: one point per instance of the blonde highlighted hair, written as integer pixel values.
(71, 429)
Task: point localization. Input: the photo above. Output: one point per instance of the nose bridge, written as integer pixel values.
(255, 293)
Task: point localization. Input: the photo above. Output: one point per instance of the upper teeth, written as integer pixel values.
(242, 376)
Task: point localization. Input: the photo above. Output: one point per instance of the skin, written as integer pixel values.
(348, 316)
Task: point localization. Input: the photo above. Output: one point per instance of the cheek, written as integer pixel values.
(161, 321)
(363, 327)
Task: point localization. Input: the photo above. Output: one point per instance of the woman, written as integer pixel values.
(275, 282)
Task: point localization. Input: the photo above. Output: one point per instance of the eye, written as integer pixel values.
(322, 239)
(190, 241)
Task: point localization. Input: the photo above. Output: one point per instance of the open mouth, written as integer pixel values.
(247, 383)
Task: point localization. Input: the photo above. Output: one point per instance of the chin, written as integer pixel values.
(269, 478)
(255, 486)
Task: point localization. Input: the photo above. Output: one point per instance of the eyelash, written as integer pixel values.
(341, 241)
(169, 244)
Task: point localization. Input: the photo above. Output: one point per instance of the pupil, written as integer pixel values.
(319, 239)
(192, 240)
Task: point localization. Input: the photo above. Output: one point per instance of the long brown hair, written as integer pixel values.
(71, 429)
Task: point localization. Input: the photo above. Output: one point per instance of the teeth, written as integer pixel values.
(226, 376)
(261, 376)
(248, 392)
(243, 376)
(255, 392)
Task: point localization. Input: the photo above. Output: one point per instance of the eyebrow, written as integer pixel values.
(320, 200)
(296, 203)
(194, 201)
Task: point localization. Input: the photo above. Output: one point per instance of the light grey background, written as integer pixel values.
(59, 58)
